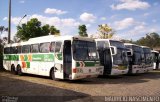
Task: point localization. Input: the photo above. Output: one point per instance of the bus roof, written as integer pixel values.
(49, 38)
(107, 40)
(154, 51)
(132, 44)
(145, 47)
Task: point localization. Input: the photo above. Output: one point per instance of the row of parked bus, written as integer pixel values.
(68, 57)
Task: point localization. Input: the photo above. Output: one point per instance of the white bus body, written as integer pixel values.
(63, 57)
(148, 58)
(156, 59)
(113, 56)
(136, 59)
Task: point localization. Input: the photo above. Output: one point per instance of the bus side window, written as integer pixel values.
(18, 49)
(52, 46)
(7, 50)
(35, 48)
(44, 47)
(58, 46)
(11, 50)
(25, 48)
(14, 50)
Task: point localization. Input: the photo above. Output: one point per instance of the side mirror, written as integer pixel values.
(113, 50)
(130, 53)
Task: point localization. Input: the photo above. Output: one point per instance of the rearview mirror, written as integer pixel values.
(130, 53)
(113, 50)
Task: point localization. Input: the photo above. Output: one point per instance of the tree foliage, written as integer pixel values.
(2, 29)
(2, 42)
(105, 31)
(83, 31)
(34, 28)
(151, 40)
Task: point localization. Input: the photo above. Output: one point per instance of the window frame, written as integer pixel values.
(32, 48)
(40, 51)
(22, 49)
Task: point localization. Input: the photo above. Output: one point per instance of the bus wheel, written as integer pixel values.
(19, 71)
(52, 74)
(13, 70)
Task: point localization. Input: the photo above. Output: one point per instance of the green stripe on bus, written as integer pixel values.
(87, 64)
(42, 57)
(28, 64)
(25, 58)
(35, 57)
(59, 56)
(11, 57)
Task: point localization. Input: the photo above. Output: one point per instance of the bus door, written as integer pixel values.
(107, 61)
(58, 68)
(67, 59)
(157, 60)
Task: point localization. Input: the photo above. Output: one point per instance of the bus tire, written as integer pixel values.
(52, 74)
(13, 69)
(19, 70)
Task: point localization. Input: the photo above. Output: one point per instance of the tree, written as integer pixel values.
(34, 28)
(105, 31)
(82, 31)
(151, 40)
(127, 41)
(54, 31)
(2, 42)
(2, 29)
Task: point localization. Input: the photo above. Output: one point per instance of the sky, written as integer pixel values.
(131, 19)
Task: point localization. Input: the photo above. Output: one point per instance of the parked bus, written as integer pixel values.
(148, 58)
(113, 56)
(136, 58)
(156, 59)
(63, 57)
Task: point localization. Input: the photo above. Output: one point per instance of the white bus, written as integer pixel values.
(63, 57)
(136, 58)
(113, 56)
(148, 58)
(156, 59)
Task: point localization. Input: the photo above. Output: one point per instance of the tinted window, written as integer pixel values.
(58, 46)
(6, 50)
(102, 44)
(53, 45)
(35, 48)
(18, 49)
(13, 50)
(44, 47)
(25, 48)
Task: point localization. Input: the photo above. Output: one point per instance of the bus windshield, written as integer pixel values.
(121, 57)
(137, 57)
(84, 50)
(147, 55)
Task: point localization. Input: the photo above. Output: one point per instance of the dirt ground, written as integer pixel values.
(29, 87)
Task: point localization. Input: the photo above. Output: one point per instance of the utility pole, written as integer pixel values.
(9, 22)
